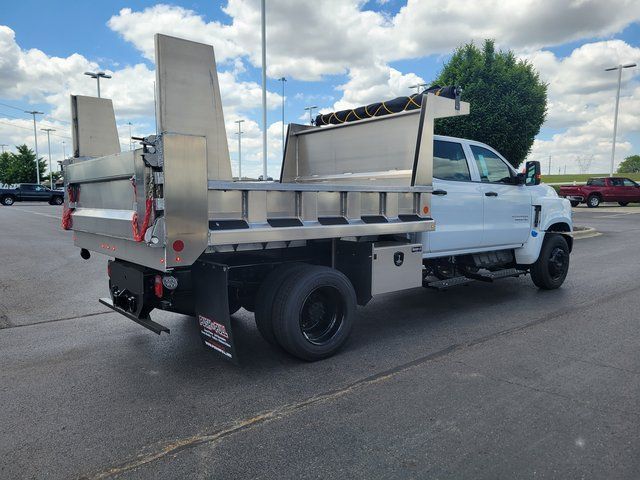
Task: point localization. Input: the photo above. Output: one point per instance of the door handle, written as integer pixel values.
(439, 192)
(491, 194)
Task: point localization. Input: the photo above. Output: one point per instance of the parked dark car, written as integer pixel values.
(31, 192)
(603, 189)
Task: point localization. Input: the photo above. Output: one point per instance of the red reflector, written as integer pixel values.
(157, 287)
(109, 270)
(178, 245)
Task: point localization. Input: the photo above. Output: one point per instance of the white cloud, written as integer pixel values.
(581, 103)
(374, 83)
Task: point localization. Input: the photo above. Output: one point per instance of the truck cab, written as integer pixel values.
(480, 204)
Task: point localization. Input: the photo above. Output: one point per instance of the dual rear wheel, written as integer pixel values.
(308, 310)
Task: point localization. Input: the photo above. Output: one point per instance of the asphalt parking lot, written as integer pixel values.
(483, 381)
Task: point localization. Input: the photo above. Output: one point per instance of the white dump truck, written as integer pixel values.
(361, 208)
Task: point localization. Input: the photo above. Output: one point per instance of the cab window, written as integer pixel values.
(491, 167)
(616, 182)
(449, 161)
(629, 183)
(596, 182)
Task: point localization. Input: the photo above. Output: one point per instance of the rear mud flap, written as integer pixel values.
(212, 308)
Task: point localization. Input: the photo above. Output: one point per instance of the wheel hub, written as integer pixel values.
(557, 262)
(321, 315)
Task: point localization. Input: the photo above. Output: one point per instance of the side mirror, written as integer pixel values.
(532, 173)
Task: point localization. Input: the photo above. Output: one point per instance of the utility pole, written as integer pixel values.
(239, 133)
(35, 139)
(549, 164)
(64, 153)
(97, 76)
(3, 145)
(615, 115)
(283, 80)
(418, 86)
(311, 113)
(263, 9)
(49, 130)
(130, 137)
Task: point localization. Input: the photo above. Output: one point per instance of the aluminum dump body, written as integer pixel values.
(168, 203)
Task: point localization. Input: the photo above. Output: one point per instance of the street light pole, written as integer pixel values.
(263, 10)
(3, 145)
(310, 113)
(49, 130)
(283, 80)
(64, 153)
(239, 133)
(35, 139)
(97, 76)
(130, 136)
(615, 115)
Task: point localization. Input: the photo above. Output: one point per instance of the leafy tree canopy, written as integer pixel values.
(508, 99)
(630, 165)
(19, 167)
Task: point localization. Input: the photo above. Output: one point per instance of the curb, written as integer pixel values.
(584, 232)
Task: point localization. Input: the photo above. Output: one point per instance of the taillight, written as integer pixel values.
(157, 287)
(109, 269)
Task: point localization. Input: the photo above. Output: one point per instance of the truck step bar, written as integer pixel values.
(491, 276)
(146, 322)
(472, 277)
(448, 283)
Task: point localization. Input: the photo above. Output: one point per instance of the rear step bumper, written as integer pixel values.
(146, 322)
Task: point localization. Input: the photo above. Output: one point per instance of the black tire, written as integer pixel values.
(313, 312)
(8, 200)
(623, 204)
(593, 201)
(264, 299)
(550, 270)
(57, 200)
(574, 203)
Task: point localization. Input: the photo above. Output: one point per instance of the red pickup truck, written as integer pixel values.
(604, 189)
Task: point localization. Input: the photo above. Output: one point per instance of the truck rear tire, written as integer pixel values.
(593, 201)
(8, 200)
(57, 200)
(550, 270)
(265, 296)
(313, 312)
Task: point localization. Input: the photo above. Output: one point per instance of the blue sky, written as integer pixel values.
(334, 53)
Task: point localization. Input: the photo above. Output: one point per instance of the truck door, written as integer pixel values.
(632, 190)
(615, 192)
(507, 206)
(27, 192)
(456, 202)
(42, 192)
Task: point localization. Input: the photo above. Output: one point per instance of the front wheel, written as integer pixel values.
(552, 266)
(313, 312)
(574, 203)
(623, 204)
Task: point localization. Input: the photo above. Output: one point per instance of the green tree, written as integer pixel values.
(19, 167)
(5, 161)
(508, 99)
(630, 165)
